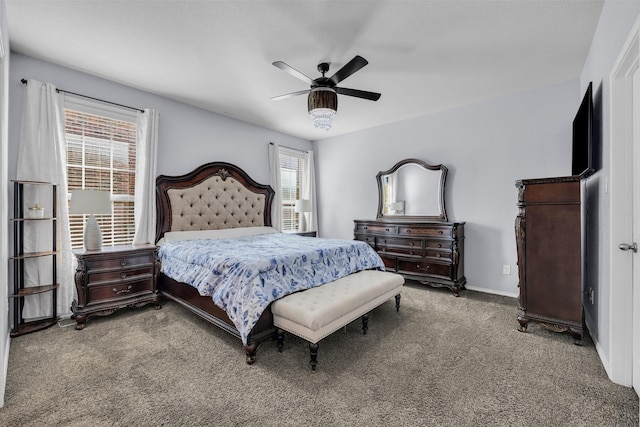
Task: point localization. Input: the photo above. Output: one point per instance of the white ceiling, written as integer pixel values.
(424, 56)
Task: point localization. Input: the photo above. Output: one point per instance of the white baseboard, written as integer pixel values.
(5, 367)
(492, 291)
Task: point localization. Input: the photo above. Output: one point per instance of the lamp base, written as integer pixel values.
(92, 235)
(303, 222)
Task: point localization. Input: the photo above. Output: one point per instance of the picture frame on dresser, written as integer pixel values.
(411, 232)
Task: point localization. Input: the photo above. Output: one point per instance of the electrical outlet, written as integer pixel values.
(506, 269)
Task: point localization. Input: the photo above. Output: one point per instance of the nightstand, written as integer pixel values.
(114, 277)
(306, 233)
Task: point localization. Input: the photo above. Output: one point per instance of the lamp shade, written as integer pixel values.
(303, 205)
(90, 202)
(322, 105)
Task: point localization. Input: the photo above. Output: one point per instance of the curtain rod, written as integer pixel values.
(24, 82)
(290, 148)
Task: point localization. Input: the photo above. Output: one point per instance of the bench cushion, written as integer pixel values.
(314, 313)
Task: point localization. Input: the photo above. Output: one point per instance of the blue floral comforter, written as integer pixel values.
(244, 275)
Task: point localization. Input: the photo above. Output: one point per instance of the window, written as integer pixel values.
(292, 164)
(101, 155)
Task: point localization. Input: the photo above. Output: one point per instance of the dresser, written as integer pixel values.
(431, 252)
(549, 239)
(114, 277)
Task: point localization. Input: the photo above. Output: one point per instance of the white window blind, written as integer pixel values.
(291, 172)
(101, 155)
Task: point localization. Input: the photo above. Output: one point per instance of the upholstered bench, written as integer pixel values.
(315, 313)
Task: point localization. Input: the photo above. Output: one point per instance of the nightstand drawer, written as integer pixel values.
(120, 261)
(114, 276)
(117, 291)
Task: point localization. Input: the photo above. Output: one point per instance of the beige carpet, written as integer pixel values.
(441, 361)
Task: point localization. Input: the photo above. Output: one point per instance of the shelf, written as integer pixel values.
(17, 181)
(34, 255)
(36, 325)
(33, 290)
(33, 219)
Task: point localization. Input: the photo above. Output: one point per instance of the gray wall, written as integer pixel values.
(616, 21)
(188, 136)
(485, 146)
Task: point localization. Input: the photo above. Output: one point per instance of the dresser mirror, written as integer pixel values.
(412, 189)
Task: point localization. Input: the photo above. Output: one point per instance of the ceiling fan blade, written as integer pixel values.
(295, 73)
(290, 95)
(351, 67)
(372, 96)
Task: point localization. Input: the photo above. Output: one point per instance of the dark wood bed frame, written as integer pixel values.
(187, 295)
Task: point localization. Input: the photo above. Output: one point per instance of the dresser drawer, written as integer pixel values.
(442, 255)
(371, 240)
(376, 228)
(115, 275)
(120, 261)
(426, 231)
(389, 263)
(425, 267)
(437, 244)
(118, 291)
(412, 247)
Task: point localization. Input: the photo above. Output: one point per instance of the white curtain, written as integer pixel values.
(274, 166)
(308, 187)
(146, 159)
(42, 157)
(309, 190)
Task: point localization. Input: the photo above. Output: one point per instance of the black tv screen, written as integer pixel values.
(582, 153)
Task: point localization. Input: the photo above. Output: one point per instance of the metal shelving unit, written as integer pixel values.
(20, 291)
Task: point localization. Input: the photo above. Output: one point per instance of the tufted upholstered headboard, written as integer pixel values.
(213, 196)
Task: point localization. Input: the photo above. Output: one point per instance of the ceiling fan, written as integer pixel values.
(323, 92)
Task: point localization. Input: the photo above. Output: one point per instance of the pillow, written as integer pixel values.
(215, 234)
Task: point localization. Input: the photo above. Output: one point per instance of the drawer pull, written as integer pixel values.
(439, 245)
(123, 275)
(411, 244)
(408, 231)
(365, 228)
(123, 262)
(437, 255)
(423, 268)
(122, 291)
(440, 232)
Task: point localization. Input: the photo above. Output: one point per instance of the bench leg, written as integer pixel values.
(398, 302)
(365, 323)
(280, 340)
(313, 352)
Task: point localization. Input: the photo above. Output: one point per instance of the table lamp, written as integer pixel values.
(91, 202)
(302, 206)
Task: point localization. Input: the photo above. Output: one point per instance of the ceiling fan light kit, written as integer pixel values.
(322, 102)
(322, 105)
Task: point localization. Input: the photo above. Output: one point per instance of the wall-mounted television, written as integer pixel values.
(582, 158)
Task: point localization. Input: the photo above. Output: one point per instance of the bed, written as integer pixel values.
(219, 206)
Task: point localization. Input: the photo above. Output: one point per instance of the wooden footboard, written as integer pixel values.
(204, 307)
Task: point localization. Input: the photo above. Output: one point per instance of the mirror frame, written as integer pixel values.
(443, 176)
